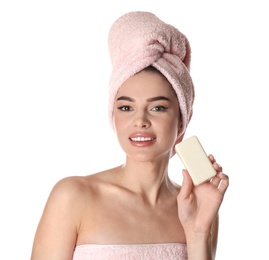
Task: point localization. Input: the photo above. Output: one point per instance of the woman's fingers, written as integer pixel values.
(224, 183)
(215, 181)
(217, 167)
(220, 181)
(212, 158)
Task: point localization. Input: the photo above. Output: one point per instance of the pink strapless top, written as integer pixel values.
(165, 251)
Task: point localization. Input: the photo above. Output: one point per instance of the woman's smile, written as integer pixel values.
(142, 139)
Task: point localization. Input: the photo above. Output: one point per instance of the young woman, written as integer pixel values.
(134, 211)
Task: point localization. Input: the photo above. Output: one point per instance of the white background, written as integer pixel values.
(54, 72)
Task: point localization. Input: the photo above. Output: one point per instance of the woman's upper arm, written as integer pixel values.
(56, 233)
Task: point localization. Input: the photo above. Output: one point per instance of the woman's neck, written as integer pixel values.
(147, 179)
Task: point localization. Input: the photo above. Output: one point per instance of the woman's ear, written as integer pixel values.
(179, 131)
(180, 135)
(179, 139)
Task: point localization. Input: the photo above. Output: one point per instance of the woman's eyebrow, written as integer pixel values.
(152, 99)
(126, 98)
(158, 98)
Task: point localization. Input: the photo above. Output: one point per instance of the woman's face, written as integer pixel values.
(146, 116)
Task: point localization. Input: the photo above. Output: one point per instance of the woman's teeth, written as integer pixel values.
(141, 139)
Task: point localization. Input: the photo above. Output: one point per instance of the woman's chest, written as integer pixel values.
(123, 222)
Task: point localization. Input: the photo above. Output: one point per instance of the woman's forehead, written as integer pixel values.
(146, 83)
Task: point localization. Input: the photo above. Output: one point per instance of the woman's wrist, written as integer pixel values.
(199, 246)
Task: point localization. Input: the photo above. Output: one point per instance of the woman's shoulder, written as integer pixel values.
(75, 186)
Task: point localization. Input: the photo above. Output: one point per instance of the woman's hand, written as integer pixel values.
(198, 205)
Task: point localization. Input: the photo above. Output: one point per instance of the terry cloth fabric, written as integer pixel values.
(169, 251)
(139, 39)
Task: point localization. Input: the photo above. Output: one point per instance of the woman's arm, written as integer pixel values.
(198, 208)
(203, 246)
(56, 233)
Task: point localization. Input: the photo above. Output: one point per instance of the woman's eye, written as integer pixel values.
(125, 108)
(159, 108)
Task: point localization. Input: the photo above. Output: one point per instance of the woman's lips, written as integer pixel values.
(142, 139)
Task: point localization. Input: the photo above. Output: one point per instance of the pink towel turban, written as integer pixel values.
(139, 39)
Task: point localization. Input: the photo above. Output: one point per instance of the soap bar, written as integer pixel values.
(195, 159)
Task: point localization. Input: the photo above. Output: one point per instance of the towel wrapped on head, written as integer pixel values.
(139, 39)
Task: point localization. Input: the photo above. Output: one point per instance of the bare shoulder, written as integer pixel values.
(68, 208)
(76, 187)
(73, 196)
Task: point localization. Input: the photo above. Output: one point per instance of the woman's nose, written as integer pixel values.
(142, 120)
